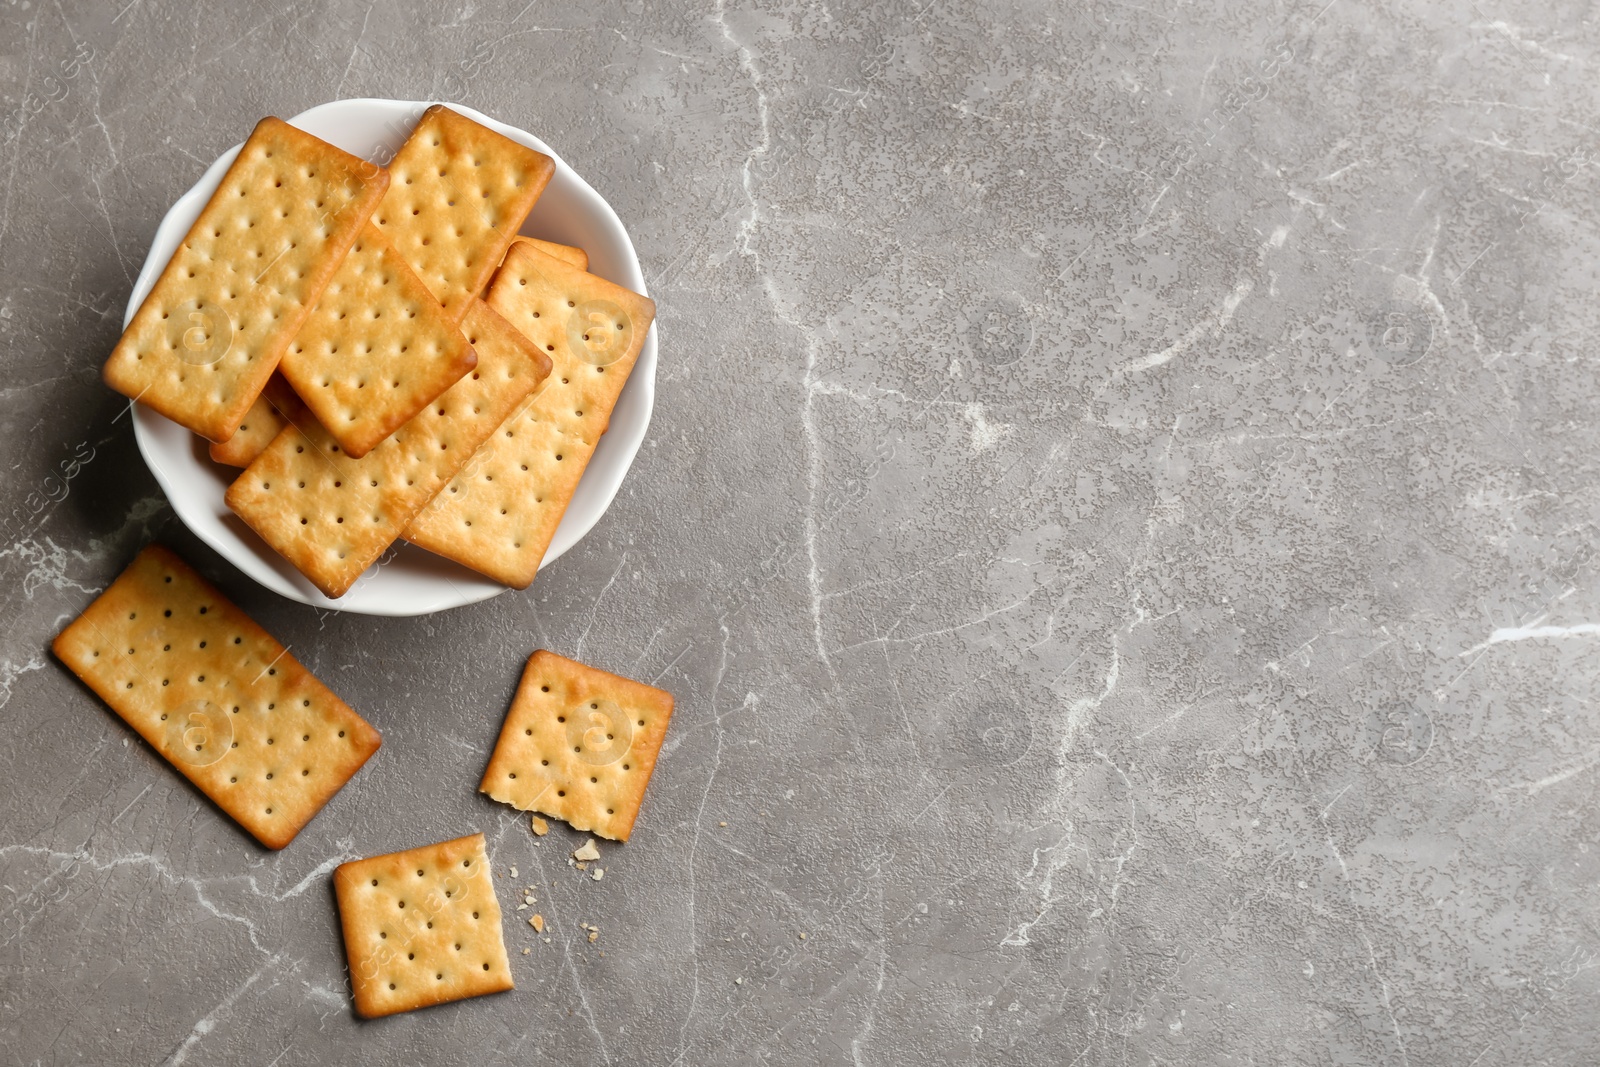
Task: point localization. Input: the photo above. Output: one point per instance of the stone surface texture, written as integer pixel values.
(1120, 522)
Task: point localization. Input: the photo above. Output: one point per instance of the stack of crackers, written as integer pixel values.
(386, 358)
(383, 353)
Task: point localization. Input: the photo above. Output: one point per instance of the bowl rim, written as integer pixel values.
(623, 448)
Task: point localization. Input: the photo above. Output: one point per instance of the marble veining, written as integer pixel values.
(1119, 521)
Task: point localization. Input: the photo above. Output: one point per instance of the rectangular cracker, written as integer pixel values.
(499, 514)
(217, 696)
(212, 330)
(579, 744)
(333, 515)
(458, 194)
(275, 408)
(566, 253)
(377, 349)
(422, 927)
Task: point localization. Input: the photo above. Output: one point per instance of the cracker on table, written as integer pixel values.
(421, 927)
(211, 332)
(578, 744)
(499, 514)
(458, 194)
(377, 348)
(217, 696)
(566, 253)
(332, 515)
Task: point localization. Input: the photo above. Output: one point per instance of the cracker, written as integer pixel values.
(499, 515)
(275, 408)
(421, 927)
(566, 253)
(212, 330)
(377, 349)
(578, 744)
(215, 694)
(333, 515)
(458, 194)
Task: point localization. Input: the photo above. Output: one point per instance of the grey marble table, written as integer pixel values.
(1120, 522)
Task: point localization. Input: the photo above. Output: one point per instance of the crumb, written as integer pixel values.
(513, 872)
(537, 922)
(594, 935)
(540, 827)
(722, 824)
(526, 951)
(529, 899)
(738, 981)
(802, 937)
(600, 873)
(582, 866)
(522, 907)
(547, 940)
(587, 851)
(570, 863)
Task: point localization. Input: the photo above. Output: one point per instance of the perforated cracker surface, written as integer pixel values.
(422, 927)
(579, 744)
(458, 194)
(333, 515)
(212, 330)
(275, 408)
(215, 694)
(377, 348)
(499, 514)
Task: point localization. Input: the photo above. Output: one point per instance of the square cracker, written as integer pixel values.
(566, 253)
(377, 349)
(498, 515)
(458, 194)
(421, 927)
(333, 515)
(213, 328)
(275, 408)
(211, 691)
(578, 744)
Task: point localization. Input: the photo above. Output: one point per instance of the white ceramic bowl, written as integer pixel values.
(408, 581)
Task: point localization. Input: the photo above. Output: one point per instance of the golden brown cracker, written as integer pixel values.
(499, 514)
(566, 253)
(578, 744)
(275, 408)
(377, 349)
(212, 330)
(458, 194)
(333, 515)
(422, 927)
(215, 694)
